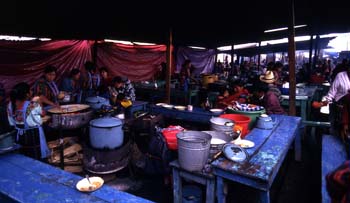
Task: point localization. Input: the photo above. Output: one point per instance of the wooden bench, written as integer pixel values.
(333, 155)
(24, 179)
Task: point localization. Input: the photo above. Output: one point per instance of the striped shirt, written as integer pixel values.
(339, 87)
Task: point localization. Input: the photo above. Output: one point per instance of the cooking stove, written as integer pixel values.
(107, 161)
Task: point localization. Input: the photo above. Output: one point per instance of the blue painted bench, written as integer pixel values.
(333, 155)
(24, 179)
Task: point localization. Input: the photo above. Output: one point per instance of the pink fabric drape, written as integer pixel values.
(137, 62)
(25, 61)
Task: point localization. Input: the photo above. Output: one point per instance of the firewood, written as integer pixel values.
(74, 169)
(68, 151)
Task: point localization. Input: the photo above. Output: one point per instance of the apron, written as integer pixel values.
(93, 83)
(54, 89)
(45, 152)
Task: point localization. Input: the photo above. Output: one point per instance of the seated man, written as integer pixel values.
(269, 94)
(121, 90)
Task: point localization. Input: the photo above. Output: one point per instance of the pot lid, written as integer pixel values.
(235, 153)
(106, 122)
(221, 121)
(96, 99)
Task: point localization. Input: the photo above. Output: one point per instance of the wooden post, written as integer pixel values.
(311, 48)
(94, 53)
(259, 52)
(169, 61)
(291, 57)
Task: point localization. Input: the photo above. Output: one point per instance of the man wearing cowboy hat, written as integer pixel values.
(270, 95)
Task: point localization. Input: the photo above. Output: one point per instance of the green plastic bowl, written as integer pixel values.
(252, 114)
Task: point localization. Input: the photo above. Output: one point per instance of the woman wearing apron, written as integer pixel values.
(25, 116)
(47, 89)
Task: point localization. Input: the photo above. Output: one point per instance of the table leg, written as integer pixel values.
(264, 196)
(220, 190)
(210, 197)
(303, 110)
(297, 146)
(177, 186)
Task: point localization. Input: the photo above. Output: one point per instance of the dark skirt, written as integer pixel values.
(30, 143)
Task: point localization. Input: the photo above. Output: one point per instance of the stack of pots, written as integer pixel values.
(218, 140)
(106, 133)
(193, 149)
(222, 125)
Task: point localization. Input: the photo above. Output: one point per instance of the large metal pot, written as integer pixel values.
(193, 149)
(97, 102)
(106, 132)
(222, 125)
(218, 140)
(71, 120)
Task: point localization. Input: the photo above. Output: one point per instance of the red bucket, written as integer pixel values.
(240, 120)
(169, 134)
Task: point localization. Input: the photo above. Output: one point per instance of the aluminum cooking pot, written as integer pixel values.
(71, 120)
(97, 102)
(106, 132)
(218, 140)
(222, 124)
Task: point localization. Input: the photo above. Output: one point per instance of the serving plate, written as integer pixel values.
(84, 186)
(161, 104)
(168, 106)
(180, 108)
(216, 110)
(245, 143)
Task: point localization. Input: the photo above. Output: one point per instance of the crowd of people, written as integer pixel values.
(24, 108)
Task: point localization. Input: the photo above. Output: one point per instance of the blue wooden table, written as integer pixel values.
(303, 99)
(265, 158)
(197, 115)
(206, 179)
(177, 96)
(137, 106)
(24, 179)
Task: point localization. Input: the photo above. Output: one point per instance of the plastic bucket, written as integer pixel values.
(252, 114)
(240, 120)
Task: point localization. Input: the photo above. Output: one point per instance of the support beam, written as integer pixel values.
(311, 49)
(291, 57)
(259, 55)
(169, 61)
(94, 52)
